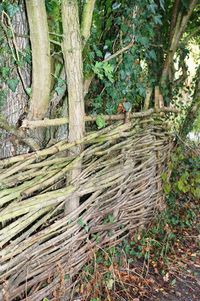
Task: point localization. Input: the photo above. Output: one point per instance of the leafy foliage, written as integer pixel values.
(115, 25)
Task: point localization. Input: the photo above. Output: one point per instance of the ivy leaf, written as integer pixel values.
(143, 41)
(98, 51)
(28, 91)
(152, 7)
(61, 86)
(12, 84)
(12, 9)
(127, 106)
(59, 90)
(162, 2)
(152, 55)
(5, 72)
(157, 19)
(100, 121)
(111, 218)
(80, 222)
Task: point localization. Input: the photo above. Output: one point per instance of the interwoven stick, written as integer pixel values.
(119, 185)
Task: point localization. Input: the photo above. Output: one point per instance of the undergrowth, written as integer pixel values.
(143, 263)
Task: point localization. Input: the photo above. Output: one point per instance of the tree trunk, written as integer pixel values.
(41, 62)
(181, 23)
(194, 109)
(16, 102)
(72, 50)
(87, 20)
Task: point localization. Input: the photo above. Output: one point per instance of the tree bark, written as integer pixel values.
(16, 102)
(72, 49)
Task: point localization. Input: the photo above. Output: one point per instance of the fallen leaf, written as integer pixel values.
(178, 294)
(166, 277)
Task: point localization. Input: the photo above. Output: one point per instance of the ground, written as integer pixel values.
(167, 265)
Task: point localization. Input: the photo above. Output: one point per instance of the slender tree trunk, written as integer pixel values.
(181, 23)
(87, 20)
(174, 18)
(41, 62)
(72, 49)
(193, 110)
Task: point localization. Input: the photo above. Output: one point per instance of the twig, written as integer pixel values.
(55, 42)
(55, 34)
(119, 52)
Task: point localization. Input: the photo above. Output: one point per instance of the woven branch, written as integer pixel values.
(60, 121)
(120, 189)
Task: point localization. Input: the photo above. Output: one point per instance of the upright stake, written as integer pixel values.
(72, 50)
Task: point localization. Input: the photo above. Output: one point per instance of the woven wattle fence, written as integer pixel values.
(120, 190)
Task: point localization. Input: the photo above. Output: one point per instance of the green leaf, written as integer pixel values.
(28, 91)
(60, 86)
(5, 72)
(111, 218)
(12, 84)
(66, 277)
(59, 90)
(12, 9)
(98, 52)
(80, 222)
(100, 121)
(152, 55)
(98, 69)
(196, 192)
(157, 19)
(143, 41)
(162, 3)
(152, 7)
(127, 106)
(164, 176)
(110, 283)
(182, 186)
(108, 69)
(167, 188)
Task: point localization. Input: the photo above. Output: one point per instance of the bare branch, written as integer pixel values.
(60, 121)
(119, 52)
